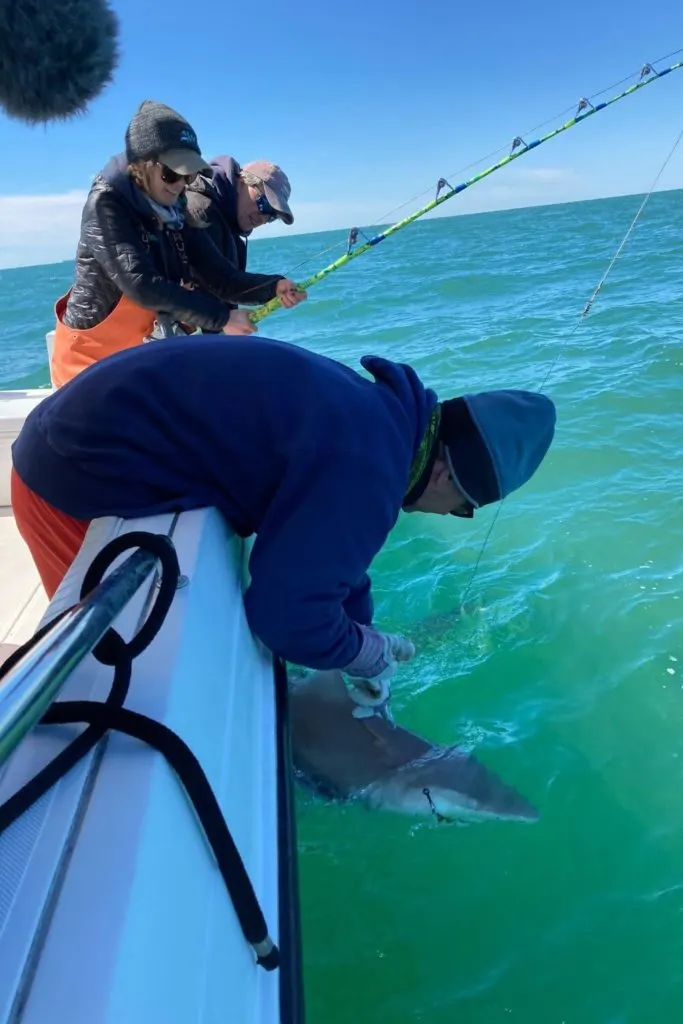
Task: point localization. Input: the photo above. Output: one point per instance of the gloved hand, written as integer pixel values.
(372, 690)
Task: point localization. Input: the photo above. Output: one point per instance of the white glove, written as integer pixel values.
(400, 648)
(373, 692)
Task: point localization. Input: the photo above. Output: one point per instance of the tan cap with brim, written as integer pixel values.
(275, 186)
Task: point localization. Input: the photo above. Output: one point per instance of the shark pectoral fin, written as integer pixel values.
(382, 712)
(386, 741)
(377, 726)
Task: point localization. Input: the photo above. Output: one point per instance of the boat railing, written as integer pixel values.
(30, 686)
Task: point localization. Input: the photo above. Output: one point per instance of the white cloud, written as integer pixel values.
(39, 229)
(524, 186)
(44, 228)
(545, 175)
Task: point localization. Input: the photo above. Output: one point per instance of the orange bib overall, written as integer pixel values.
(74, 350)
(126, 326)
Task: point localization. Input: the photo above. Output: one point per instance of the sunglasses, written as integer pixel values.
(265, 209)
(172, 177)
(465, 511)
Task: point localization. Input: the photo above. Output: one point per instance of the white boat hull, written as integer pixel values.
(112, 908)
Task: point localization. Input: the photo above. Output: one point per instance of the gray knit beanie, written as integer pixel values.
(160, 133)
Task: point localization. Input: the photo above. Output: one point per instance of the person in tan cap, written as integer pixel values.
(231, 201)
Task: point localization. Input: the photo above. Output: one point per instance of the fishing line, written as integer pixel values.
(585, 109)
(582, 316)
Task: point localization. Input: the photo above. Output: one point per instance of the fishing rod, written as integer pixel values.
(585, 110)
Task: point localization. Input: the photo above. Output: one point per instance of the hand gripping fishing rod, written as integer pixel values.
(519, 147)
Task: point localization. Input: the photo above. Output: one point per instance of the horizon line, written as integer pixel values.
(288, 233)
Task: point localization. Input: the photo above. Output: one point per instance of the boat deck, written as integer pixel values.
(22, 598)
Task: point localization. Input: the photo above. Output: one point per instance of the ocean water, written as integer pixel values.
(560, 662)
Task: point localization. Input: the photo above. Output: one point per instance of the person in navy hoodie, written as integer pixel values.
(231, 201)
(312, 457)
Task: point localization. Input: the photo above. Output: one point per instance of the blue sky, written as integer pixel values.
(366, 108)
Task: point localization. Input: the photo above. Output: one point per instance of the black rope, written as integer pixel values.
(110, 714)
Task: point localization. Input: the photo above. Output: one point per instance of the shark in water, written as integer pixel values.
(343, 757)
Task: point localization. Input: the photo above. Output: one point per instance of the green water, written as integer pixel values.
(564, 670)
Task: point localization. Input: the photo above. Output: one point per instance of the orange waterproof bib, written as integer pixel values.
(74, 350)
(53, 538)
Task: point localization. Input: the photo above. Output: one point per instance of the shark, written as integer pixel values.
(343, 757)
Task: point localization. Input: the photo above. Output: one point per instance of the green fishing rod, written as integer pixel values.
(519, 147)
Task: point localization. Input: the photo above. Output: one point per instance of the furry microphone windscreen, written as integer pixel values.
(55, 56)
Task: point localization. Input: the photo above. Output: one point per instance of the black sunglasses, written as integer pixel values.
(265, 209)
(172, 177)
(465, 511)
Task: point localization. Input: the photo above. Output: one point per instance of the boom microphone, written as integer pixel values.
(55, 56)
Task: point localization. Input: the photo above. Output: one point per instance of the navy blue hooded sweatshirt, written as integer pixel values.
(308, 454)
(214, 201)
